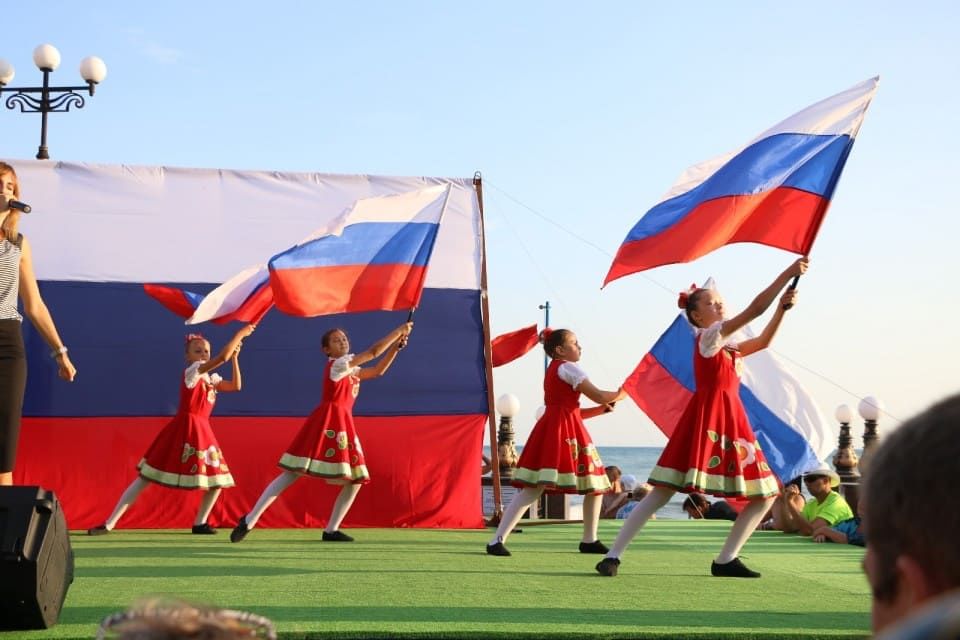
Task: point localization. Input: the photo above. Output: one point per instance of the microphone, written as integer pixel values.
(22, 206)
(14, 204)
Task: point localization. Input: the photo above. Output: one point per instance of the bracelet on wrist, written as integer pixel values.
(56, 353)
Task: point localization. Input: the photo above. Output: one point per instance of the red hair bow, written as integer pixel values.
(545, 334)
(685, 296)
(193, 336)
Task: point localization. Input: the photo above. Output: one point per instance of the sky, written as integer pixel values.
(579, 117)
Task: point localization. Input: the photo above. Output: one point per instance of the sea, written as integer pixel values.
(638, 461)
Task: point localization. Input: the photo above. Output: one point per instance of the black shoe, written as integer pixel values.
(100, 530)
(240, 531)
(203, 529)
(732, 569)
(497, 549)
(336, 536)
(608, 567)
(593, 547)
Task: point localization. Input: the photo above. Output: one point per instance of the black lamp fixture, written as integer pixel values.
(52, 99)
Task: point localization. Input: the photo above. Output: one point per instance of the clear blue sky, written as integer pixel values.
(580, 116)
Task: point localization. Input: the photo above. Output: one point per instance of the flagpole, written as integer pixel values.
(546, 325)
(488, 356)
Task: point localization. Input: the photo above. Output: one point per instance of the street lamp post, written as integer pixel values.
(845, 460)
(869, 409)
(52, 99)
(507, 406)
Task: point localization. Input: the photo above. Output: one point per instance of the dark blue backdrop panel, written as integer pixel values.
(128, 351)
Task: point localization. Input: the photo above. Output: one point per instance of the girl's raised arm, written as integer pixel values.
(763, 301)
(235, 383)
(227, 352)
(763, 340)
(381, 345)
(384, 363)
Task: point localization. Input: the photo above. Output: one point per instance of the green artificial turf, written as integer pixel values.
(417, 583)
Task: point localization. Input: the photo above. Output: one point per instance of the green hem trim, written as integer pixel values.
(181, 481)
(566, 482)
(695, 480)
(327, 470)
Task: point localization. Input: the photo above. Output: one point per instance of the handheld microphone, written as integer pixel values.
(14, 204)
(22, 206)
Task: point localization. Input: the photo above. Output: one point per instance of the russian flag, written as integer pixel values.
(245, 297)
(774, 191)
(788, 424)
(375, 261)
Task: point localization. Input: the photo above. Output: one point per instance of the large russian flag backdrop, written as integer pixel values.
(788, 424)
(375, 260)
(99, 232)
(774, 191)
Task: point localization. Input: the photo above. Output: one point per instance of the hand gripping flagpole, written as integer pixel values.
(793, 285)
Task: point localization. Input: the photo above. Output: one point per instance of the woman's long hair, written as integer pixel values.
(13, 217)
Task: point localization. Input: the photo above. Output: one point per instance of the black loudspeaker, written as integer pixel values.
(36, 560)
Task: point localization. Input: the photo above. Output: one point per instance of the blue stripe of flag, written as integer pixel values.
(375, 243)
(799, 161)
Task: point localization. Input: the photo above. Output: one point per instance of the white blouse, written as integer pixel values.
(341, 368)
(192, 375)
(711, 340)
(571, 373)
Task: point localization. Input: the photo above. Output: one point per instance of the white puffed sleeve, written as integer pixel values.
(341, 368)
(712, 341)
(572, 374)
(215, 379)
(191, 376)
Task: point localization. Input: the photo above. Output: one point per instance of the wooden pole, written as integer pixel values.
(488, 356)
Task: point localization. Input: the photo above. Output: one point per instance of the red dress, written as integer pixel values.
(559, 454)
(713, 449)
(185, 454)
(327, 445)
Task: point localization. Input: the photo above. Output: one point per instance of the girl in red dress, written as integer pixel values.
(185, 454)
(713, 449)
(559, 455)
(327, 445)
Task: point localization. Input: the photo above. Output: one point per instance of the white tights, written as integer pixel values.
(136, 487)
(286, 478)
(527, 496)
(742, 528)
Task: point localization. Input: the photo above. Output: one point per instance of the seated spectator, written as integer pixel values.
(485, 465)
(166, 620)
(636, 491)
(698, 507)
(825, 509)
(845, 532)
(776, 519)
(617, 496)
